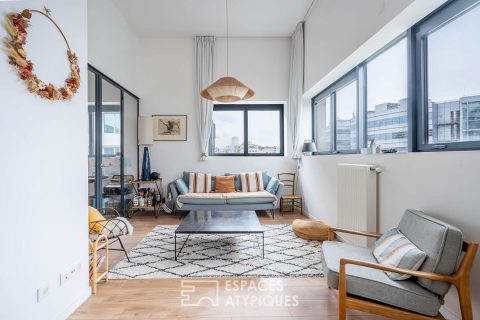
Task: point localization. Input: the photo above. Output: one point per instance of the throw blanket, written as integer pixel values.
(115, 227)
(227, 196)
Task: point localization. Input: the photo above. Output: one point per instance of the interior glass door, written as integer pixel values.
(92, 198)
(111, 146)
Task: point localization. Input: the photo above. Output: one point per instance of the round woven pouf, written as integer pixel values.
(310, 230)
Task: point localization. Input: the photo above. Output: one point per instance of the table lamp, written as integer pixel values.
(309, 147)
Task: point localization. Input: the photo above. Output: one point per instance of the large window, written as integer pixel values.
(387, 122)
(346, 118)
(337, 105)
(448, 76)
(421, 92)
(247, 130)
(322, 108)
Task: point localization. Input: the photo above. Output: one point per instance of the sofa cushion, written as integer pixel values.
(202, 198)
(375, 284)
(224, 183)
(250, 197)
(186, 178)
(252, 181)
(182, 187)
(393, 249)
(272, 185)
(440, 241)
(238, 181)
(200, 182)
(249, 200)
(266, 179)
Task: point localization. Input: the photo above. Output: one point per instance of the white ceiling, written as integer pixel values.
(187, 18)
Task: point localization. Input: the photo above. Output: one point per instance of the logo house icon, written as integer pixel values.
(195, 293)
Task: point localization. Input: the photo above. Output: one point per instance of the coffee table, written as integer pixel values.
(219, 222)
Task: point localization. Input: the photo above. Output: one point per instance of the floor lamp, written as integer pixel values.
(145, 138)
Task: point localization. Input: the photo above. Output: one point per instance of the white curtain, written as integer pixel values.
(295, 91)
(204, 54)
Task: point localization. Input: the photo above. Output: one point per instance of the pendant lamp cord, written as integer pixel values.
(226, 14)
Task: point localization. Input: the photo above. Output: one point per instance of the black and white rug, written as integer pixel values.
(225, 255)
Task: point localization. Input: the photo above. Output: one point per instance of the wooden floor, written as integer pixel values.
(298, 298)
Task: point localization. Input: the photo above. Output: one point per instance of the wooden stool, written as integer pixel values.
(290, 200)
(96, 261)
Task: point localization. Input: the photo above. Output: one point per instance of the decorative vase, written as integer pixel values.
(146, 165)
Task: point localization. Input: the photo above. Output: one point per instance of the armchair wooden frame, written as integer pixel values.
(460, 279)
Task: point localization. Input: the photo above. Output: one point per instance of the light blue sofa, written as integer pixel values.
(227, 204)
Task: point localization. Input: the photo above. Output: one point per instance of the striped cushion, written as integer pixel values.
(393, 249)
(252, 181)
(200, 183)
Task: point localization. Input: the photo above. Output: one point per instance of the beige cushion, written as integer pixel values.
(310, 230)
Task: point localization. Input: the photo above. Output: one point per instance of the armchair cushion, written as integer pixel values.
(440, 241)
(393, 249)
(375, 284)
(99, 221)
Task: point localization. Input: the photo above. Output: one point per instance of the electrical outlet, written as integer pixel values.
(69, 273)
(42, 293)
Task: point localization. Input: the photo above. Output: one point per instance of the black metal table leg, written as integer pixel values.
(183, 245)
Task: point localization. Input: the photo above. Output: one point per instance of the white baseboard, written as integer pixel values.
(311, 216)
(81, 298)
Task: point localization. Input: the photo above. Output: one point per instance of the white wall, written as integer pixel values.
(443, 184)
(334, 29)
(112, 44)
(43, 168)
(166, 82)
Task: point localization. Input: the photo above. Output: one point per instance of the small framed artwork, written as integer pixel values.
(169, 127)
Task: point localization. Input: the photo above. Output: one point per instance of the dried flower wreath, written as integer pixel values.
(17, 24)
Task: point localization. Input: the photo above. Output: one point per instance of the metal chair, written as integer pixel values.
(290, 200)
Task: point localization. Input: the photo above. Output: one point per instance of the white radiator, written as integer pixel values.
(357, 200)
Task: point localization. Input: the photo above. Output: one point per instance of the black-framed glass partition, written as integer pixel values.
(113, 148)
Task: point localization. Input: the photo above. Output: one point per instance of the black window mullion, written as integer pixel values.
(362, 107)
(245, 132)
(333, 117)
(411, 88)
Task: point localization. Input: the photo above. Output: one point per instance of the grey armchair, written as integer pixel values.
(363, 284)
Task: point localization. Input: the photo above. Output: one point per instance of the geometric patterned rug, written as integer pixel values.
(223, 255)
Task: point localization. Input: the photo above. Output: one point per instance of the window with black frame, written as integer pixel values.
(247, 130)
(448, 82)
(386, 97)
(335, 117)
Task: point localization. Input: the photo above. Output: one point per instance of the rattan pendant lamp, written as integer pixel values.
(227, 89)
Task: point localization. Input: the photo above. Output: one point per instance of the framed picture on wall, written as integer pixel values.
(169, 127)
